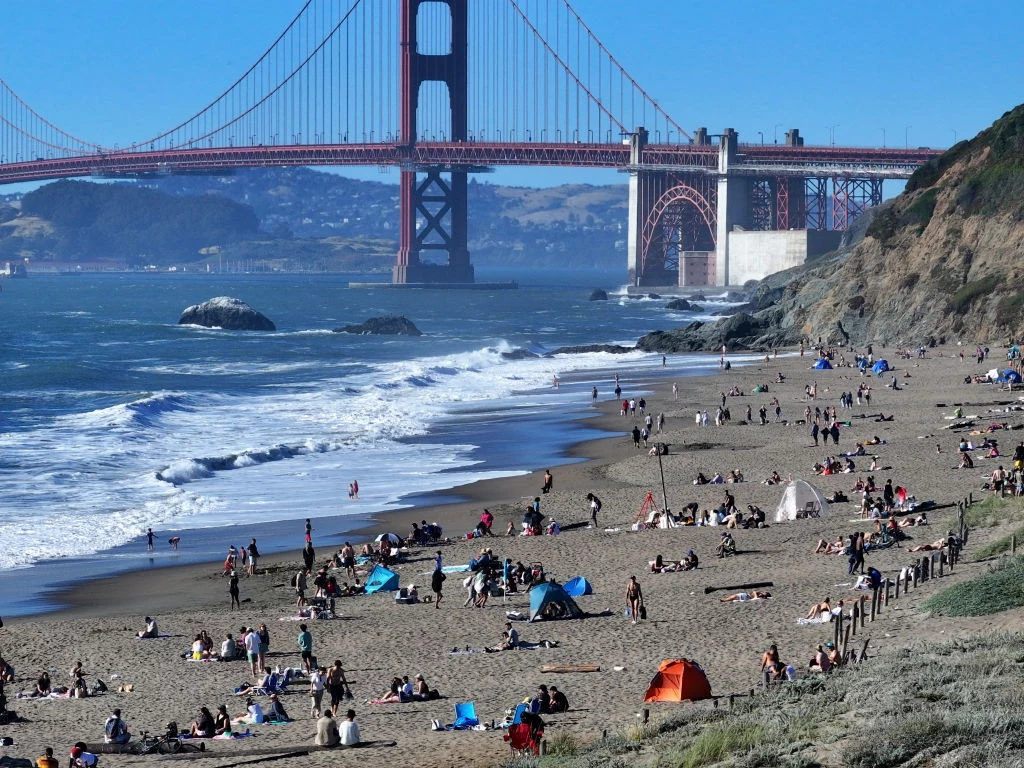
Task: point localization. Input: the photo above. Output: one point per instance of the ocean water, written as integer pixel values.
(115, 419)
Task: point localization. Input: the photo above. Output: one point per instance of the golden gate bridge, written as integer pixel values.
(445, 88)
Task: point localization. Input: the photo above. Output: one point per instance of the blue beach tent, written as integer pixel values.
(823, 364)
(577, 586)
(465, 715)
(381, 580)
(880, 367)
(549, 600)
(1011, 376)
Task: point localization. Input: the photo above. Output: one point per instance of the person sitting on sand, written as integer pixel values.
(221, 721)
(253, 713)
(80, 758)
(774, 479)
(820, 662)
(700, 480)
(394, 694)
(115, 730)
(47, 760)
(966, 462)
(327, 731)
(43, 685)
(825, 606)
(423, 692)
(509, 639)
(830, 548)
(742, 597)
(276, 713)
(558, 702)
(833, 654)
(348, 730)
(150, 630)
(689, 563)
(203, 727)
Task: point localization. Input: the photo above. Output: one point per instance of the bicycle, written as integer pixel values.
(163, 745)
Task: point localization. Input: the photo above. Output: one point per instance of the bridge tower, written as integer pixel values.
(441, 202)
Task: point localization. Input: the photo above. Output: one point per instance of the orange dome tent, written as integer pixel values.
(678, 680)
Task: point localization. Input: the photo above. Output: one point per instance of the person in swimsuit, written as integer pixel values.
(634, 598)
(771, 665)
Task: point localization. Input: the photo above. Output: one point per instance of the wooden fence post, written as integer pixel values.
(853, 619)
(899, 577)
(846, 640)
(915, 570)
(874, 601)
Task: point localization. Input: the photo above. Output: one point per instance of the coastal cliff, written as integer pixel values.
(941, 260)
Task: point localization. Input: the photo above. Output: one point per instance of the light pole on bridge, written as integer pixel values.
(776, 132)
(883, 138)
(906, 137)
(761, 134)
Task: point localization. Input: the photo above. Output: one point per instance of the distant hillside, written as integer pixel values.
(126, 226)
(585, 225)
(302, 219)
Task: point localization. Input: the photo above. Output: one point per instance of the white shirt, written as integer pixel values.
(255, 713)
(252, 642)
(316, 681)
(227, 649)
(349, 731)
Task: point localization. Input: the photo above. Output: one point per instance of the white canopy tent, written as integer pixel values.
(800, 499)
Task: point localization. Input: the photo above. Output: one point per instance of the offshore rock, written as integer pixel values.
(683, 305)
(741, 331)
(519, 354)
(598, 295)
(393, 325)
(613, 349)
(227, 313)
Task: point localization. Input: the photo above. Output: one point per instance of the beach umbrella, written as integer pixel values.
(393, 538)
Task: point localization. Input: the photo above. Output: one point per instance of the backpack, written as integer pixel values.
(295, 579)
(113, 727)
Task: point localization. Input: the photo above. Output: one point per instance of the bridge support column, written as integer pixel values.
(734, 204)
(440, 198)
(638, 206)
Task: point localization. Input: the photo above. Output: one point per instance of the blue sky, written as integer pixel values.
(921, 73)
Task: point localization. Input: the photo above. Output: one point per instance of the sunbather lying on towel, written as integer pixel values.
(742, 597)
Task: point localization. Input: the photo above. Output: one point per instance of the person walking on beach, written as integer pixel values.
(593, 396)
(317, 685)
(233, 591)
(305, 643)
(300, 588)
(308, 556)
(634, 599)
(254, 555)
(309, 531)
(437, 584)
(595, 507)
(675, 391)
(337, 686)
(149, 539)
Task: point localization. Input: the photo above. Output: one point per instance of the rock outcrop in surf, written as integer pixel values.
(394, 325)
(228, 313)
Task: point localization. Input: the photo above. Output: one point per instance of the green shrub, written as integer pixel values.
(919, 212)
(1000, 590)
(969, 293)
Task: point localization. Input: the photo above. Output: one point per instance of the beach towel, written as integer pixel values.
(825, 618)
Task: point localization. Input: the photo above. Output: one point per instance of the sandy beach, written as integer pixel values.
(377, 639)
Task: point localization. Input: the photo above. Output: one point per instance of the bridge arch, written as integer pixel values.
(682, 218)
